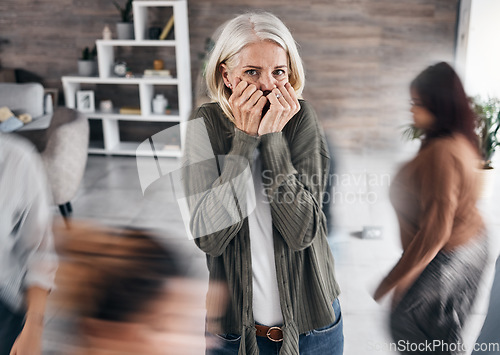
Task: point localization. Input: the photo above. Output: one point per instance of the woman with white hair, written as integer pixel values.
(268, 249)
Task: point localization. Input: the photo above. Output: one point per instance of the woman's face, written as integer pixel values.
(264, 64)
(422, 117)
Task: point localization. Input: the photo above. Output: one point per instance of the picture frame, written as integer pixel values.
(85, 101)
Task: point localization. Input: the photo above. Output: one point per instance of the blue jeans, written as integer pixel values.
(11, 325)
(327, 340)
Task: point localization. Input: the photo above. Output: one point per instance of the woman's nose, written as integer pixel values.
(267, 83)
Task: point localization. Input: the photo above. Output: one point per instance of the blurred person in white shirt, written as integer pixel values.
(27, 257)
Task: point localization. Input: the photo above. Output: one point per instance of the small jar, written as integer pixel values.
(158, 64)
(159, 104)
(106, 106)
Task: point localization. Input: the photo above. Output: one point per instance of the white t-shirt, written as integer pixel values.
(266, 301)
(27, 254)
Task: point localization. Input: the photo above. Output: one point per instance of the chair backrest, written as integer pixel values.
(23, 98)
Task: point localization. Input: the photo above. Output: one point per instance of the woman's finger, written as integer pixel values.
(238, 90)
(247, 93)
(253, 98)
(290, 96)
(293, 95)
(256, 111)
(283, 97)
(270, 121)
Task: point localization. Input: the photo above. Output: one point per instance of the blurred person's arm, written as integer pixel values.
(440, 186)
(30, 339)
(36, 248)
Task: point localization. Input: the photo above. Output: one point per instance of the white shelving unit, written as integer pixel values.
(146, 85)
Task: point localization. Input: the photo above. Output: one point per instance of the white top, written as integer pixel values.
(27, 255)
(266, 301)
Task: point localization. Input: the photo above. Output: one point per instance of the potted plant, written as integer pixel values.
(125, 28)
(87, 65)
(488, 130)
(487, 114)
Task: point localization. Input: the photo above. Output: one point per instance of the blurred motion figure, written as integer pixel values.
(128, 293)
(442, 232)
(27, 258)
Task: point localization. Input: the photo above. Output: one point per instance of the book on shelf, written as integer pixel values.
(168, 27)
(164, 73)
(130, 110)
(171, 147)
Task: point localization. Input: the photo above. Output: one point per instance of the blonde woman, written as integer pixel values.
(274, 259)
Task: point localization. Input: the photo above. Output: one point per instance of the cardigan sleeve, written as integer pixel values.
(216, 188)
(439, 180)
(294, 178)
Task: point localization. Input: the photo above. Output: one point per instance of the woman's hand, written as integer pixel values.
(284, 105)
(379, 292)
(247, 104)
(29, 340)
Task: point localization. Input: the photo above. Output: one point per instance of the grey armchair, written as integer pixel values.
(61, 137)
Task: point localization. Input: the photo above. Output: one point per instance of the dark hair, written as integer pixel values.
(131, 286)
(119, 271)
(442, 93)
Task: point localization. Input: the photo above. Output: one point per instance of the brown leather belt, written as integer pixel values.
(272, 333)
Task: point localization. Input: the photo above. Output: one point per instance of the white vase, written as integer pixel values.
(125, 30)
(486, 182)
(159, 104)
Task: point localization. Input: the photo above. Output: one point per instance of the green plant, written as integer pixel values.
(487, 126)
(410, 132)
(125, 12)
(88, 54)
(209, 45)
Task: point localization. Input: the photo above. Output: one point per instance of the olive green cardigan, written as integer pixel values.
(295, 167)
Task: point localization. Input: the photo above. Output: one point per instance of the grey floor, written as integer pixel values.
(111, 193)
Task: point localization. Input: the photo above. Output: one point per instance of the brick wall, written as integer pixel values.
(359, 55)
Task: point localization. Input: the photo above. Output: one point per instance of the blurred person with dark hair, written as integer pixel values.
(129, 293)
(442, 232)
(27, 258)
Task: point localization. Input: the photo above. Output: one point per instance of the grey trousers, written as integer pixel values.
(11, 325)
(430, 316)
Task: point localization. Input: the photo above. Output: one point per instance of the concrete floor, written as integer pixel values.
(111, 194)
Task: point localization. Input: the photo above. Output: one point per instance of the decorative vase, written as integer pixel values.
(87, 67)
(106, 33)
(125, 30)
(486, 182)
(160, 104)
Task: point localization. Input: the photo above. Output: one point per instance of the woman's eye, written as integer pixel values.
(251, 72)
(279, 72)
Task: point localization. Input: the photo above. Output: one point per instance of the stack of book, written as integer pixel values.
(128, 110)
(152, 73)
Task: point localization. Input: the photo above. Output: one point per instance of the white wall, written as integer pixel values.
(482, 65)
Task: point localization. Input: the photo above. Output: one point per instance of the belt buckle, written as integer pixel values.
(268, 334)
